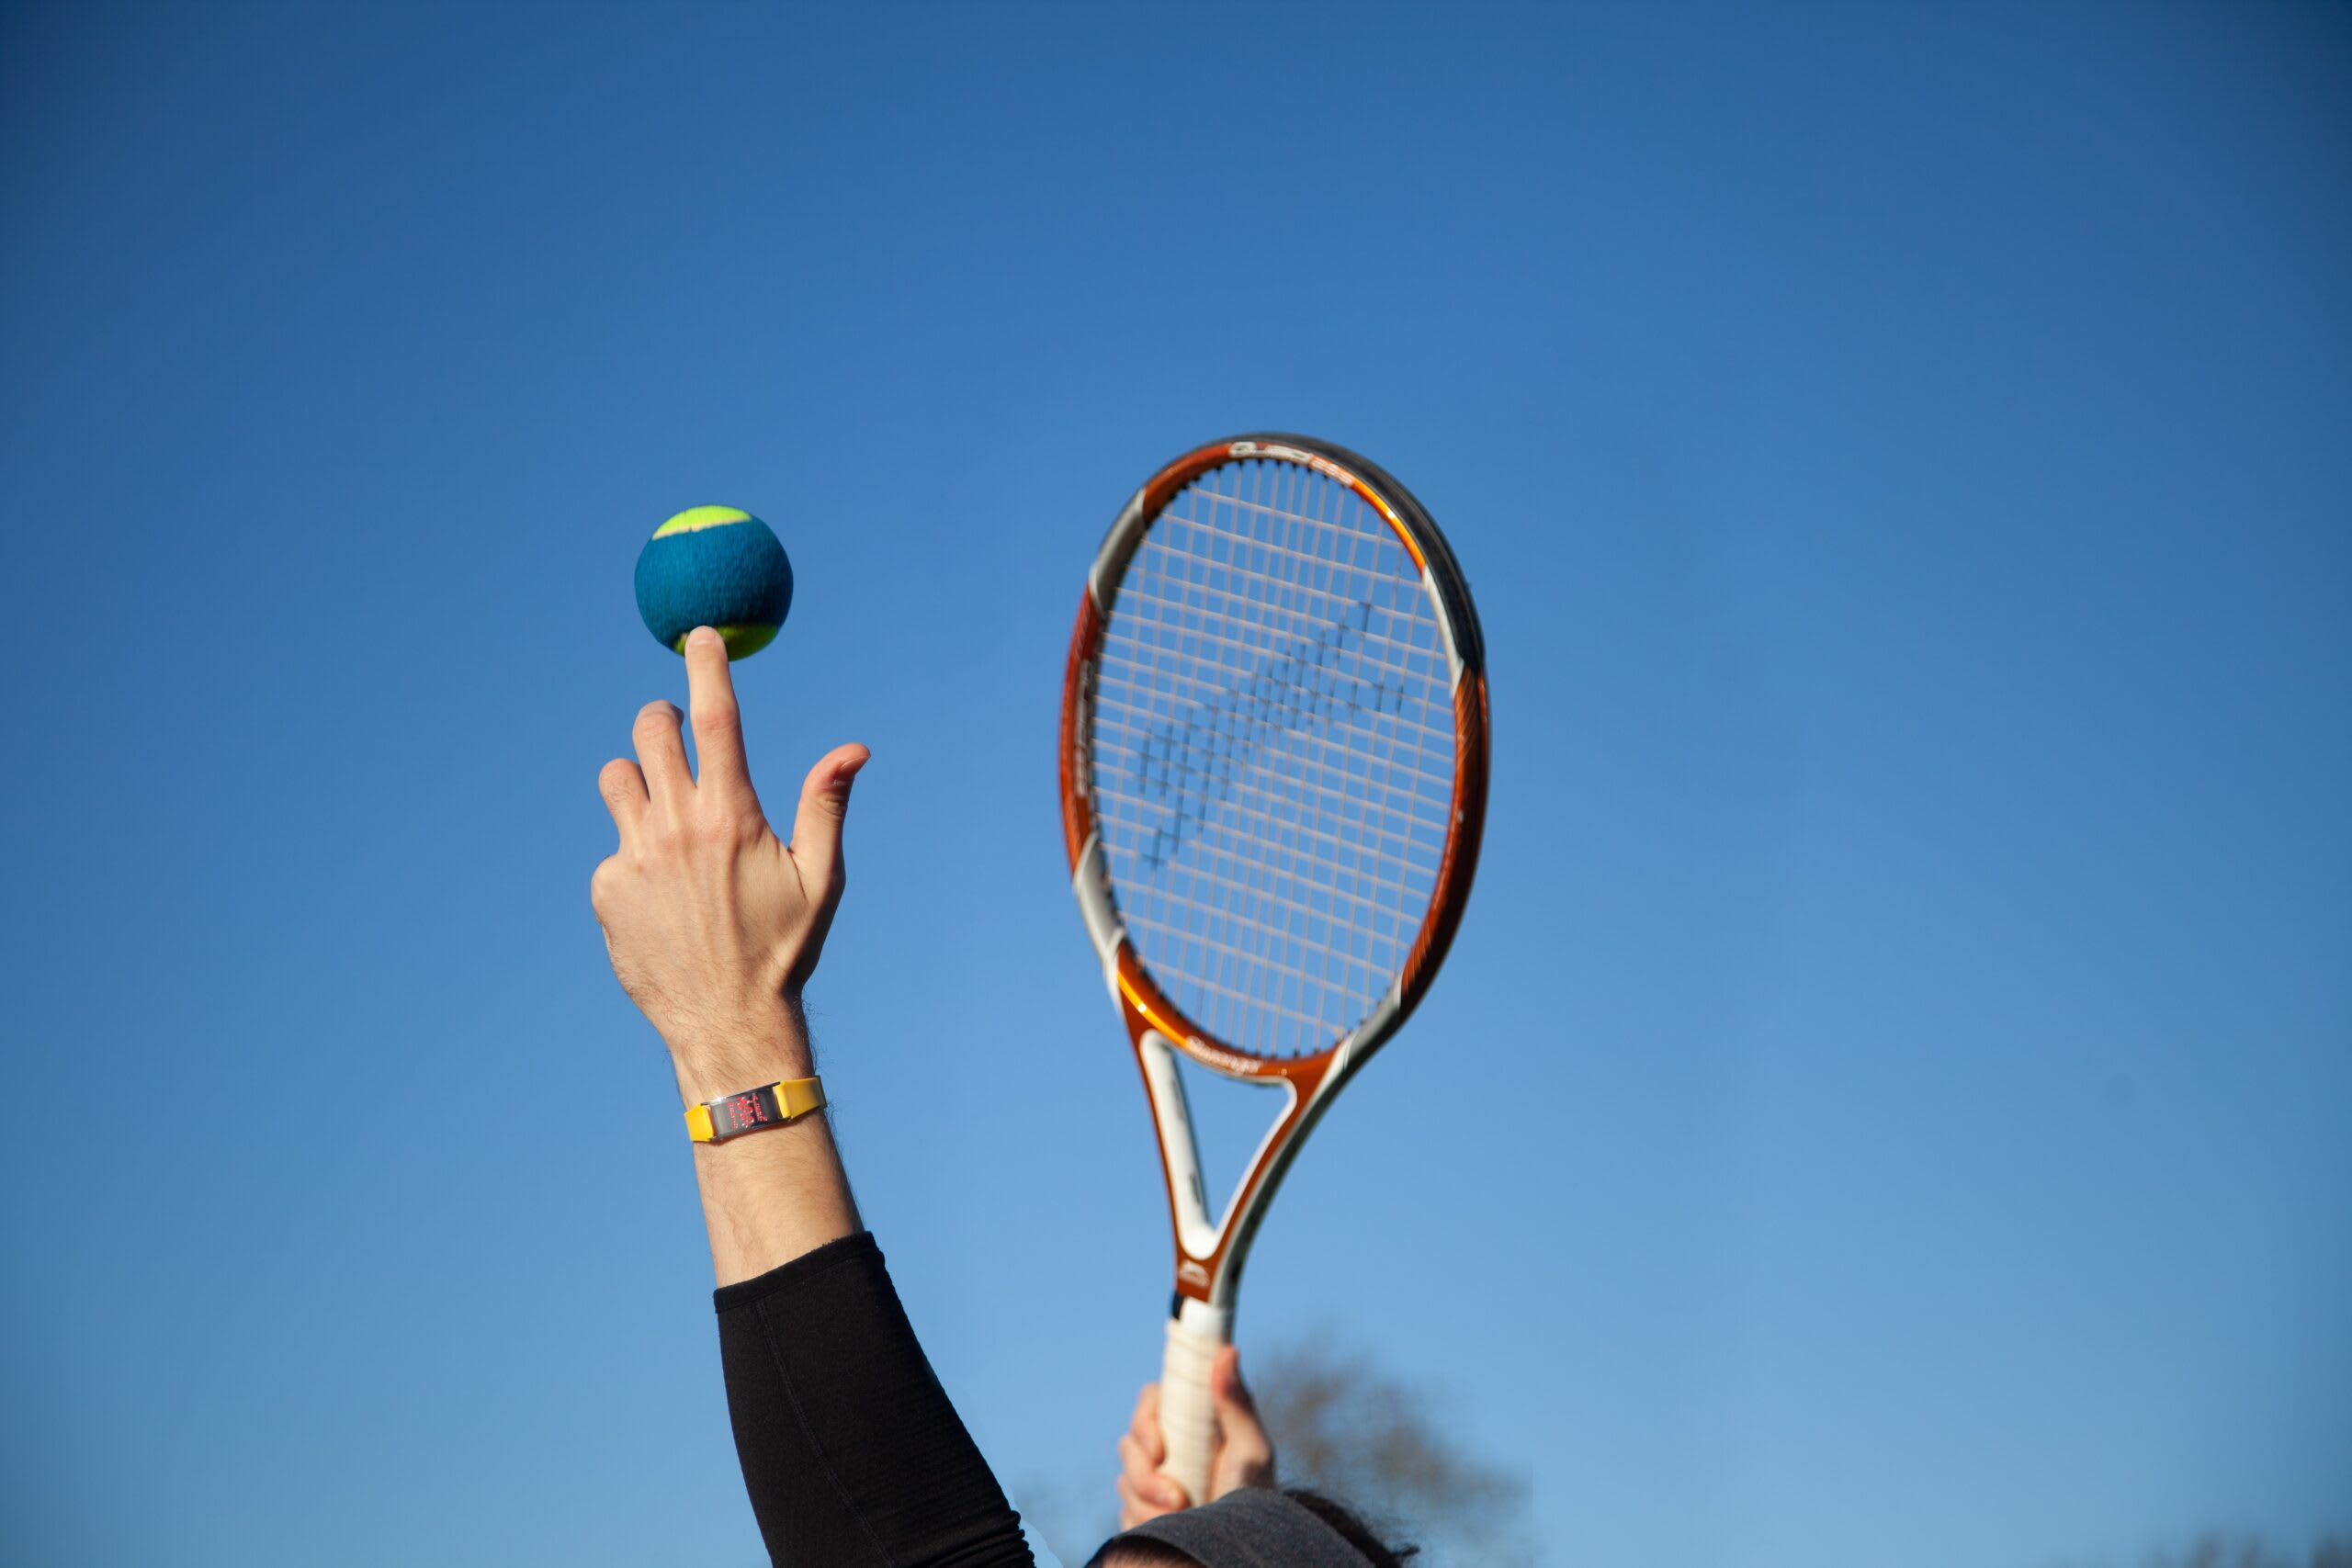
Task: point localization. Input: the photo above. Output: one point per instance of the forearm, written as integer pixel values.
(852, 1454)
(771, 1196)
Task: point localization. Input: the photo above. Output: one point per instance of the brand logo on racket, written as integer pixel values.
(1226, 1060)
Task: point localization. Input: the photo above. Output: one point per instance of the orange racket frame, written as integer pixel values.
(1210, 1253)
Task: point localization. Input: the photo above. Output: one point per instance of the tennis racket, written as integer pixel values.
(1273, 772)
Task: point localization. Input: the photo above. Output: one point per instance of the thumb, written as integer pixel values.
(1248, 1456)
(824, 802)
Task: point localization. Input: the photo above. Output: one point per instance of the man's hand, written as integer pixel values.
(714, 924)
(1243, 1456)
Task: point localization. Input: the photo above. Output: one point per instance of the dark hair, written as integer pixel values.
(1145, 1552)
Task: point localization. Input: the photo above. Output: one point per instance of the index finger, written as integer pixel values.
(718, 725)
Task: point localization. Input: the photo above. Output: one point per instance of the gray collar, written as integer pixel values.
(1250, 1527)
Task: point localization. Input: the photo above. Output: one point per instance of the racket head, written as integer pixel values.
(1274, 754)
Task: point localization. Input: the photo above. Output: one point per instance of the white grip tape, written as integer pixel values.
(1187, 1414)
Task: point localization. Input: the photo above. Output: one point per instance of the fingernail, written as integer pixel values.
(702, 637)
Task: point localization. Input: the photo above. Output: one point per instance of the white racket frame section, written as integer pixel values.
(1212, 1249)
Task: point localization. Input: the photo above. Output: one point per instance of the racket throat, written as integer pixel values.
(1198, 1237)
(1208, 1245)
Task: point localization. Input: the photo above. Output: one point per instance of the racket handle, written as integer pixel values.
(1187, 1414)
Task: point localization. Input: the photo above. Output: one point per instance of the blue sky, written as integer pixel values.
(1891, 1098)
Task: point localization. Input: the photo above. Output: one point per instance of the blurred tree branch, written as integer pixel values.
(2219, 1550)
(2222, 1549)
(1345, 1427)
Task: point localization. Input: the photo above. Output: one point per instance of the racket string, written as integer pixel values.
(1270, 777)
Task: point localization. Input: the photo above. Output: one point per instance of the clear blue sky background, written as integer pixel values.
(1892, 1100)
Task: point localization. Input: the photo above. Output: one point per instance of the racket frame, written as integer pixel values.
(1210, 1253)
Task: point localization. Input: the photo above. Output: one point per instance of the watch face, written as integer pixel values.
(741, 1112)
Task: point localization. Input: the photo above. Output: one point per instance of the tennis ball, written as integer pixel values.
(717, 567)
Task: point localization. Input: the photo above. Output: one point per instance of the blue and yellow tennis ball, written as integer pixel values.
(717, 567)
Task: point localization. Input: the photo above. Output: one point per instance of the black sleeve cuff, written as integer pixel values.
(783, 1275)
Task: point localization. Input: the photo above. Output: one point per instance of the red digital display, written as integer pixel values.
(746, 1111)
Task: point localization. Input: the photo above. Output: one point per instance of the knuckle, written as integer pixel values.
(657, 715)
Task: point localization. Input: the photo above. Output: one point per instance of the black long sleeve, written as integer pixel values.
(853, 1455)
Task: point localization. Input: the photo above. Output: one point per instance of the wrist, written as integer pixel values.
(762, 1046)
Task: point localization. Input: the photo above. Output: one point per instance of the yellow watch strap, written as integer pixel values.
(770, 1105)
(798, 1097)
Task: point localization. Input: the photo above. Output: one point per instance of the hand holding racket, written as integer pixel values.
(1244, 1455)
(1273, 770)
